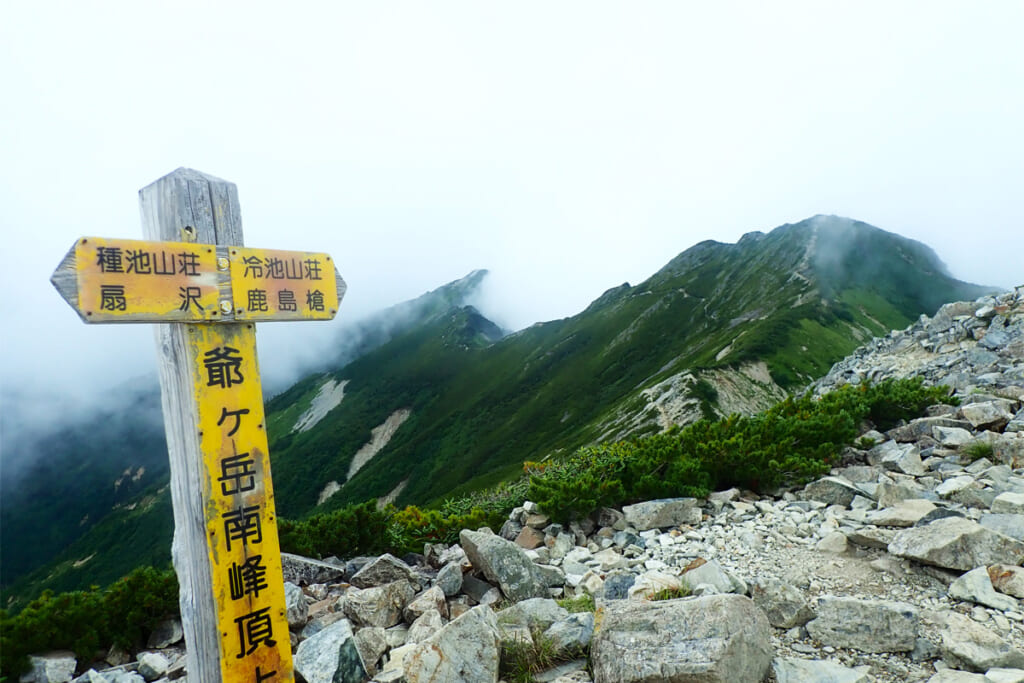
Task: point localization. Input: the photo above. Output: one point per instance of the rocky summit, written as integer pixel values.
(902, 564)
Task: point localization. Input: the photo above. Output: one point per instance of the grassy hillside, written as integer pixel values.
(799, 299)
(791, 303)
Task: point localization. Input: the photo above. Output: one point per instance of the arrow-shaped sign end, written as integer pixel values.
(65, 280)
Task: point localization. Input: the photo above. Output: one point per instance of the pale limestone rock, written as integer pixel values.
(976, 586)
(505, 564)
(793, 670)
(866, 625)
(331, 656)
(660, 514)
(1007, 579)
(956, 543)
(784, 605)
(464, 651)
(714, 639)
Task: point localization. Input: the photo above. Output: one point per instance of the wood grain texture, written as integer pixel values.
(65, 279)
(189, 206)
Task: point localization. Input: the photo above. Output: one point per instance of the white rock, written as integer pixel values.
(975, 586)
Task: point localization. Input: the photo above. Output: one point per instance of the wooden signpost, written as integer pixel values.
(194, 275)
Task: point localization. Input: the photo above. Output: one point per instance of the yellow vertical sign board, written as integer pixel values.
(241, 527)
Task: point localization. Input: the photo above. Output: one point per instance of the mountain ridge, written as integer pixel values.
(481, 401)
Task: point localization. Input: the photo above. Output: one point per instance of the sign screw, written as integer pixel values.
(222, 263)
(225, 306)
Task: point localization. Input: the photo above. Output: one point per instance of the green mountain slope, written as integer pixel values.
(435, 400)
(795, 300)
(99, 477)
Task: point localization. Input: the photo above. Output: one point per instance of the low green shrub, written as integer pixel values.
(793, 442)
(892, 401)
(88, 622)
(358, 529)
(362, 529)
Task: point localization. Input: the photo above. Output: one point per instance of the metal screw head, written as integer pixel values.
(225, 306)
(222, 263)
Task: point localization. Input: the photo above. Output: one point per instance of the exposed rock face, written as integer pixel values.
(505, 564)
(865, 625)
(972, 647)
(464, 651)
(330, 656)
(660, 514)
(793, 670)
(53, 667)
(956, 543)
(714, 639)
(304, 571)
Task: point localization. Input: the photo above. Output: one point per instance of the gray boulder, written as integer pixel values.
(951, 437)
(331, 656)
(955, 676)
(865, 625)
(464, 651)
(966, 644)
(793, 670)
(152, 665)
(662, 513)
(296, 606)
(505, 564)
(831, 491)
(956, 543)
(905, 458)
(1007, 525)
(711, 572)
(303, 571)
(167, 633)
(993, 415)
(432, 598)
(784, 605)
(378, 606)
(713, 639)
(573, 634)
(372, 643)
(449, 579)
(426, 625)
(1007, 579)
(904, 513)
(52, 667)
(1008, 503)
(536, 613)
(384, 569)
(976, 586)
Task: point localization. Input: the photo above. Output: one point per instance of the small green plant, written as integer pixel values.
(683, 591)
(581, 603)
(977, 450)
(521, 658)
(865, 443)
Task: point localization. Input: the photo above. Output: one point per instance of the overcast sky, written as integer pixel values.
(566, 146)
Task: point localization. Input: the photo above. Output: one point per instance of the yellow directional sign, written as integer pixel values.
(120, 280)
(282, 285)
(135, 281)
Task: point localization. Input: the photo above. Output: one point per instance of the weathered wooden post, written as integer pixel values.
(194, 275)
